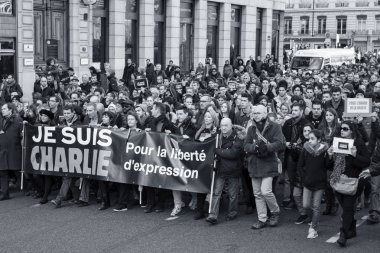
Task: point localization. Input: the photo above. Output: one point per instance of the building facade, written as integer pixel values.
(84, 33)
(332, 23)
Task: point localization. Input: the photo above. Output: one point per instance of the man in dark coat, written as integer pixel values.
(336, 102)
(186, 129)
(293, 132)
(128, 72)
(158, 122)
(149, 71)
(10, 145)
(264, 140)
(68, 183)
(228, 169)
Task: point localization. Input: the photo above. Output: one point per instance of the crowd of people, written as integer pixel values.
(275, 126)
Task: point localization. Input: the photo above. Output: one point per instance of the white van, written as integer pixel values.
(316, 59)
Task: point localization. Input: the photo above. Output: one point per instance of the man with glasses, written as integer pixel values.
(264, 140)
(55, 108)
(203, 103)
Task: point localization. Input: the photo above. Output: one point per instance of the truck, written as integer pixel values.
(316, 59)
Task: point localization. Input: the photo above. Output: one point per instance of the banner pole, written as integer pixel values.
(213, 175)
(22, 155)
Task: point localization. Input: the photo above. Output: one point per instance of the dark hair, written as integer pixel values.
(299, 105)
(335, 89)
(161, 107)
(317, 133)
(353, 128)
(316, 102)
(11, 107)
(133, 114)
(182, 108)
(99, 90)
(297, 86)
(69, 107)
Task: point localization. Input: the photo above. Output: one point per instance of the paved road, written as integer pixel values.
(26, 227)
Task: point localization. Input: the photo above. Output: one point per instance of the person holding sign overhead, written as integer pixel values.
(349, 165)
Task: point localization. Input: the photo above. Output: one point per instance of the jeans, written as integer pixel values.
(233, 191)
(297, 195)
(312, 200)
(375, 196)
(262, 189)
(68, 183)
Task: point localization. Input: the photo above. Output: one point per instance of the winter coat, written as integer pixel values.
(339, 110)
(159, 124)
(10, 87)
(10, 143)
(186, 128)
(312, 167)
(355, 165)
(230, 156)
(293, 132)
(264, 166)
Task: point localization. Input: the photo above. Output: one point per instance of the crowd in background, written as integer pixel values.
(276, 127)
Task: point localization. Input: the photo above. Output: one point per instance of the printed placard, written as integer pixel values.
(140, 83)
(358, 106)
(342, 145)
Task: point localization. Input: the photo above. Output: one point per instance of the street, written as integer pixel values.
(30, 227)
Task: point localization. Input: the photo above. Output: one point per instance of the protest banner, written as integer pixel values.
(358, 106)
(141, 83)
(142, 158)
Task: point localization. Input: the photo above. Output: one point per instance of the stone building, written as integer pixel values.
(316, 23)
(84, 33)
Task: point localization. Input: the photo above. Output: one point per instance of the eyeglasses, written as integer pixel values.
(345, 129)
(204, 101)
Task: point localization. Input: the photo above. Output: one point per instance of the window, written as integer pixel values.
(6, 7)
(259, 29)
(362, 23)
(288, 26)
(341, 3)
(131, 35)
(159, 31)
(235, 32)
(321, 25)
(186, 46)
(212, 31)
(304, 25)
(341, 25)
(377, 23)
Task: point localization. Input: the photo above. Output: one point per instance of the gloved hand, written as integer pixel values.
(262, 148)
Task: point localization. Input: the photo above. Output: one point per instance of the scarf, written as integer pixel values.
(335, 104)
(339, 167)
(72, 120)
(315, 152)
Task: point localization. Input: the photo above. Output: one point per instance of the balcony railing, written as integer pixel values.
(305, 5)
(341, 4)
(322, 5)
(362, 4)
(289, 6)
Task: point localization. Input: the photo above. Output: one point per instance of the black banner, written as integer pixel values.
(143, 158)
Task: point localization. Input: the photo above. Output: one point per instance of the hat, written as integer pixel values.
(48, 113)
(348, 88)
(125, 103)
(144, 107)
(110, 115)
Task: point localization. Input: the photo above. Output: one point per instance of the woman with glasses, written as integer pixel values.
(350, 165)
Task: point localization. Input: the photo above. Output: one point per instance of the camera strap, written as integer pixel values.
(261, 137)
